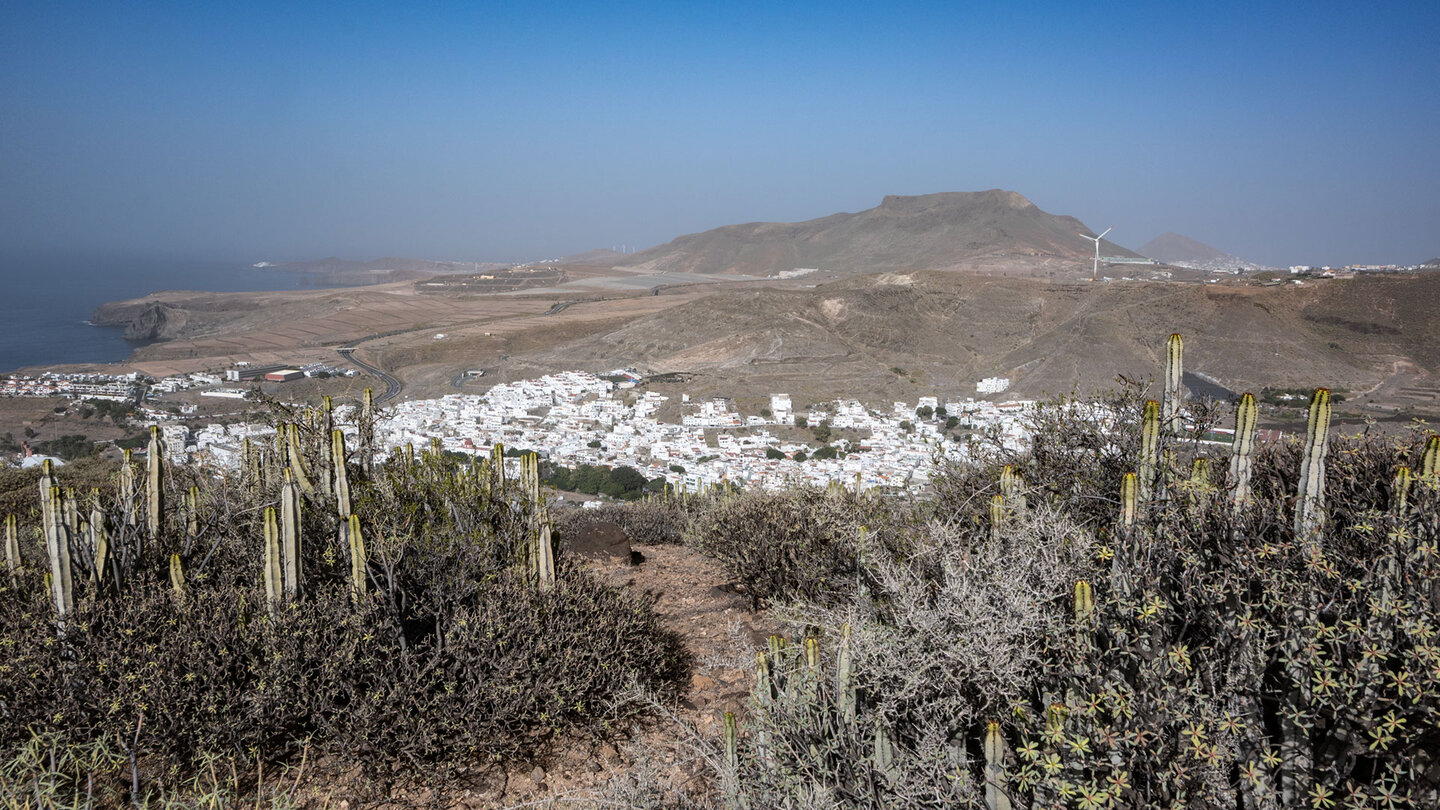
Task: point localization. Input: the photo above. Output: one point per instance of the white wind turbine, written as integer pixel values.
(1095, 271)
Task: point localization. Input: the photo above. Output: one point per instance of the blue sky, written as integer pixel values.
(1282, 132)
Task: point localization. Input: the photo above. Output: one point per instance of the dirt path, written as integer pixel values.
(721, 633)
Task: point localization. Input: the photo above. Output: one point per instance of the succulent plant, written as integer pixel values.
(1310, 498)
(1242, 450)
(155, 484)
(341, 487)
(1174, 390)
(57, 546)
(1148, 469)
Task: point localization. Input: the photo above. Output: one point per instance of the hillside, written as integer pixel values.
(947, 331)
(1174, 248)
(1182, 251)
(986, 231)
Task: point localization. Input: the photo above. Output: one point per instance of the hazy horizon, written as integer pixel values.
(1282, 132)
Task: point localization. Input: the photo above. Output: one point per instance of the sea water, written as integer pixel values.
(46, 300)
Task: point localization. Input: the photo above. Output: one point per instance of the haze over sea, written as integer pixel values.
(48, 300)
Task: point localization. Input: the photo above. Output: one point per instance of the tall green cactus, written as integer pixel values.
(192, 515)
(57, 545)
(326, 472)
(366, 426)
(1400, 497)
(1149, 466)
(358, 567)
(155, 484)
(250, 469)
(1174, 390)
(126, 490)
(99, 541)
(1012, 486)
(12, 550)
(1129, 501)
(845, 698)
(1310, 497)
(1242, 450)
(883, 752)
(274, 580)
(732, 742)
(290, 534)
(297, 462)
(996, 796)
(497, 467)
(177, 575)
(1430, 462)
(997, 517)
(342, 477)
(544, 558)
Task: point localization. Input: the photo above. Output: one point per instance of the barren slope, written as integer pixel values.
(985, 231)
(948, 330)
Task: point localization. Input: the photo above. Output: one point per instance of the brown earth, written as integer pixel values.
(983, 231)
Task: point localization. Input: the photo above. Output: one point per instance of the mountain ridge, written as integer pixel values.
(995, 231)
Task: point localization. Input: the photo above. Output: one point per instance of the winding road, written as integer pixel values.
(393, 386)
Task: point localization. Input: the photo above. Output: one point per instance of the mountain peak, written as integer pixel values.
(985, 231)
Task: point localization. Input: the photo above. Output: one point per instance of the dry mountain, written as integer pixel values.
(948, 330)
(984, 231)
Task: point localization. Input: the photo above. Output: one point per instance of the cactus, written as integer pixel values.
(1084, 600)
(845, 677)
(126, 491)
(530, 477)
(192, 515)
(155, 484)
(883, 755)
(367, 431)
(12, 550)
(177, 575)
(250, 469)
(997, 516)
(274, 584)
(1012, 486)
(1174, 393)
(1400, 499)
(342, 478)
(1310, 500)
(357, 556)
(297, 462)
(995, 796)
(1242, 450)
(290, 534)
(1129, 501)
(1149, 466)
(57, 544)
(497, 467)
(326, 471)
(732, 742)
(544, 558)
(1430, 462)
(99, 544)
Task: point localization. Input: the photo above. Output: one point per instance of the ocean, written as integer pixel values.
(47, 301)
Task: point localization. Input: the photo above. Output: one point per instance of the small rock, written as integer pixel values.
(538, 775)
(701, 682)
(608, 753)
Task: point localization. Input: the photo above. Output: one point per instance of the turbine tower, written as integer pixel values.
(1095, 271)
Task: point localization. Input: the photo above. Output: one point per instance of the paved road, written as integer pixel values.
(393, 386)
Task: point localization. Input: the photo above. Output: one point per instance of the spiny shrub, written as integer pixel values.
(1201, 657)
(652, 521)
(452, 653)
(801, 544)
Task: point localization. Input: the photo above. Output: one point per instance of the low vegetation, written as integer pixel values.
(413, 618)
